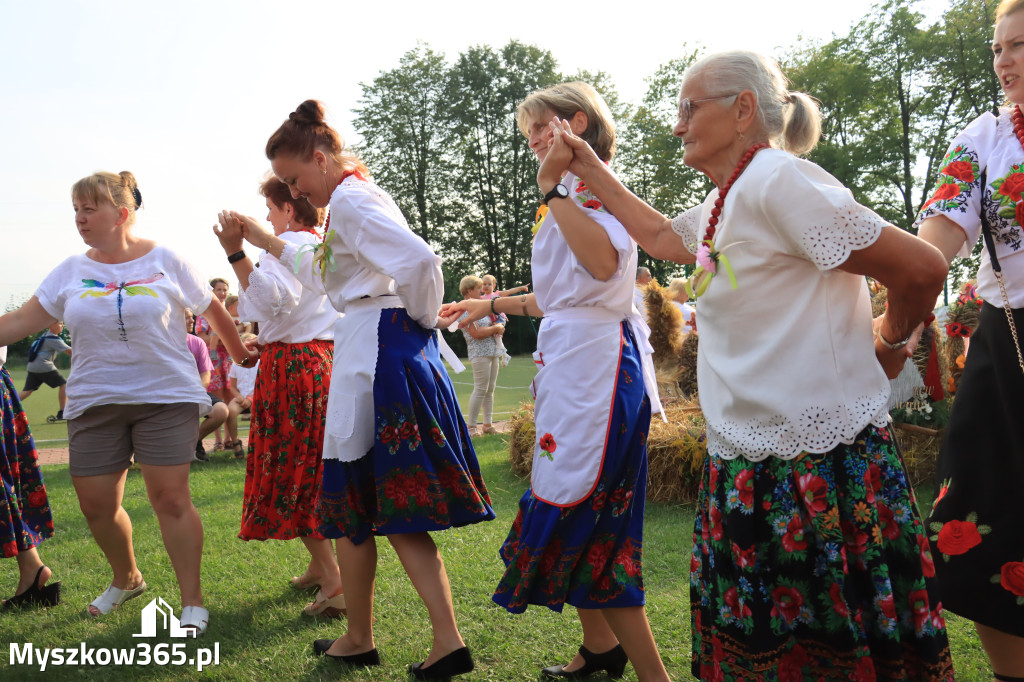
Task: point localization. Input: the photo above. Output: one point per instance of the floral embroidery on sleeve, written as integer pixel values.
(586, 198)
(959, 173)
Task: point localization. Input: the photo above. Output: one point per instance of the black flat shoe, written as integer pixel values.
(612, 662)
(47, 595)
(455, 663)
(365, 659)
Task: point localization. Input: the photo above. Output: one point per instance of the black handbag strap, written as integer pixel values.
(986, 230)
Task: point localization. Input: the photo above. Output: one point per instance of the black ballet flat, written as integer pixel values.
(365, 660)
(47, 595)
(455, 663)
(612, 662)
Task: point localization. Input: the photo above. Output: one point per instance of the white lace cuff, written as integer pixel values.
(687, 225)
(263, 295)
(853, 227)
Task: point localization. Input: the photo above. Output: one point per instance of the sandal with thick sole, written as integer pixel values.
(113, 597)
(239, 449)
(47, 595)
(305, 582)
(329, 608)
(196, 619)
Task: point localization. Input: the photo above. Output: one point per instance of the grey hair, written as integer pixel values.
(792, 120)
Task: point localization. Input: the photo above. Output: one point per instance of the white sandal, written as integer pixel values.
(195, 617)
(113, 597)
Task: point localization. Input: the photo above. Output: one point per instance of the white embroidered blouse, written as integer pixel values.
(786, 362)
(988, 144)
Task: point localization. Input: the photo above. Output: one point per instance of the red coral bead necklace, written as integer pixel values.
(716, 211)
(1018, 124)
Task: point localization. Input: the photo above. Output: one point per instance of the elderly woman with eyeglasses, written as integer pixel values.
(810, 560)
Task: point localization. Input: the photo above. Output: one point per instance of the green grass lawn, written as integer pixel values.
(513, 388)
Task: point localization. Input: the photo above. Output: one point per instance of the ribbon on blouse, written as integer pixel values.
(322, 256)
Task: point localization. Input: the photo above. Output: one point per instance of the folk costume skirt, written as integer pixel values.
(25, 519)
(589, 554)
(283, 470)
(975, 524)
(421, 473)
(814, 568)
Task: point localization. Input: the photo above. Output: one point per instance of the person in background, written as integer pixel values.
(810, 559)
(975, 519)
(25, 517)
(218, 386)
(485, 357)
(243, 383)
(676, 291)
(41, 368)
(490, 283)
(643, 278)
(284, 469)
(218, 411)
(125, 297)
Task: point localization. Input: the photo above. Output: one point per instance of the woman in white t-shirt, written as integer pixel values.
(676, 291)
(133, 388)
(810, 559)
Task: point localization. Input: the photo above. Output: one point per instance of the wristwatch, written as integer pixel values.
(559, 191)
(892, 346)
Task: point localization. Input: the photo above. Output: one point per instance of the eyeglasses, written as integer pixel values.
(686, 106)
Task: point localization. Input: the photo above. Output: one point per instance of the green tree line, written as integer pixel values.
(440, 134)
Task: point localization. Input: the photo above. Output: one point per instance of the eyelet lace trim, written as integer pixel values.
(817, 429)
(264, 293)
(853, 227)
(686, 225)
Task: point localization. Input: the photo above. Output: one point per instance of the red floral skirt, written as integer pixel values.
(815, 568)
(25, 519)
(286, 434)
(219, 379)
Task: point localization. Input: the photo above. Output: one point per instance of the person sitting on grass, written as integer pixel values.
(41, 369)
(243, 383)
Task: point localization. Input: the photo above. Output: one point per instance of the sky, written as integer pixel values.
(185, 94)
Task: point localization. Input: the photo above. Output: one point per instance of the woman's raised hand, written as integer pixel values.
(229, 232)
(556, 161)
(582, 154)
(255, 232)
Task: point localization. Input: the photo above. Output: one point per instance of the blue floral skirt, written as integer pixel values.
(25, 519)
(588, 555)
(421, 473)
(815, 568)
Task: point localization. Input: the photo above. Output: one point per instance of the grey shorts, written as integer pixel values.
(103, 439)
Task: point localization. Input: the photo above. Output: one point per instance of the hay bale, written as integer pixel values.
(675, 451)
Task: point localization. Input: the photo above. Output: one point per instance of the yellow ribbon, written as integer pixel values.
(542, 212)
(701, 278)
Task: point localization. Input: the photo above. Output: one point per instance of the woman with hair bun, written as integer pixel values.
(398, 460)
(810, 559)
(133, 390)
(289, 406)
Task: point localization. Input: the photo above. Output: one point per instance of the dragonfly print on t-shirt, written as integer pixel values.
(133, 288)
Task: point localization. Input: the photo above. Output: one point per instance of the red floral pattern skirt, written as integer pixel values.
(25, 518)
(219, 379)
(815, 568)
(589, 555)
(286, 435)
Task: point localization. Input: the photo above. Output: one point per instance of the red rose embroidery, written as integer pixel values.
(918, 602)
(1011, 577)
(547, 443)
(389, 434)
(838, 602)
(961, 170)
(788, 601)
(37, 498)
(592, 203)
(814, 492)
(927, 565)
(944, 192)
(744, 483)
(1011, 187)
(737, 608)
(408, 430)
(1018, 212)
(957, 537)
(793, 540)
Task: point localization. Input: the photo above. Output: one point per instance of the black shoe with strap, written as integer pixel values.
(456, 663)
(47, 595)
(612, 662)
(201, 452)
(366, 659)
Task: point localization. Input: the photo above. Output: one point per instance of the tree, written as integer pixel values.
(401, 119)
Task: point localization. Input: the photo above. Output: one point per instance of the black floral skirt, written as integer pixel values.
(815, 568)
